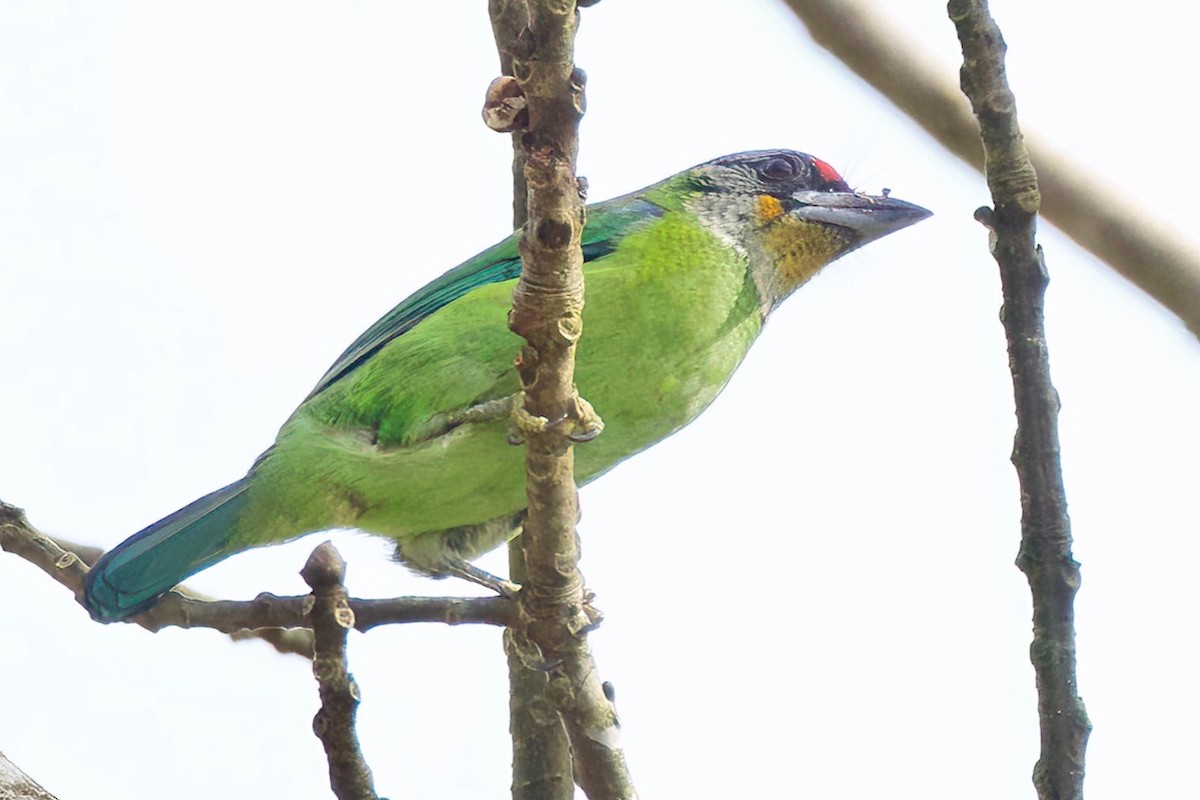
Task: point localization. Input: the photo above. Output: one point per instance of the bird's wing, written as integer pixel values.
(607, 223)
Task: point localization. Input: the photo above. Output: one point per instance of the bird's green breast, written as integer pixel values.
(670, 313)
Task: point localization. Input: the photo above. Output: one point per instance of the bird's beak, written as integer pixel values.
(867, 217)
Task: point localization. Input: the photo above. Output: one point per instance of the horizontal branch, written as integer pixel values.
(280, 621)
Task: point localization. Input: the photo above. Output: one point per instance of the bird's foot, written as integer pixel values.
(466, 570)
(580, 423)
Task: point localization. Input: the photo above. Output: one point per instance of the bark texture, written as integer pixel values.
(1045, 554)
(16, 785)
(541, 765)
(332, 619)
(547, 313)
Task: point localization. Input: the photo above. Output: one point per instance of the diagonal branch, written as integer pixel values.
(16, 785)
(1045, 554)
(1154, 257)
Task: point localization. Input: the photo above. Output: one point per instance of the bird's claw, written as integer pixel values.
(579, 424)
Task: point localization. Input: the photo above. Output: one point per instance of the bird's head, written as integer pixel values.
(789, 214)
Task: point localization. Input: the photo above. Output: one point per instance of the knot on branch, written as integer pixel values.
(343, 614)
(325, 568)
(66, 560)
(504, 106)
(552, 233)
(522, 68)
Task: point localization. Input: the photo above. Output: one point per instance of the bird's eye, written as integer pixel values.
(779, 169)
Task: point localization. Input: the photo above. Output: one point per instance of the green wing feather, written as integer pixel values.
(607, 223)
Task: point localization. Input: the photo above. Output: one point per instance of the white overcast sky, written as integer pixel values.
(810, 592)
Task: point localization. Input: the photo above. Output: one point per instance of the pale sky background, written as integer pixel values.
(810, 592)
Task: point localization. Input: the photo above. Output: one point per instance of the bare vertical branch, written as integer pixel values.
(547, 313)
(541, 753)
(542, 768)
(1045, 554)
(332, 619)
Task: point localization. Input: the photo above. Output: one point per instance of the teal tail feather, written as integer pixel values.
(131, 576)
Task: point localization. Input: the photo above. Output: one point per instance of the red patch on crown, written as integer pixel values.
(827, 173)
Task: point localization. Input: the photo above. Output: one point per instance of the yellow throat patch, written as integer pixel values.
(798, 249)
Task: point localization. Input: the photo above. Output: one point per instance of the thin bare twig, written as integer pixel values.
(448, 610)
(332, 619)
(1124, 234)
(280, 621)
(1045, 554)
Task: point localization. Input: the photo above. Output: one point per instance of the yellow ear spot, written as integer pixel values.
(769, 208)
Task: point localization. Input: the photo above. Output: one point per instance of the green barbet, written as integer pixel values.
(406, 435)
